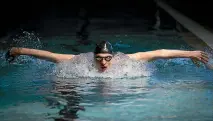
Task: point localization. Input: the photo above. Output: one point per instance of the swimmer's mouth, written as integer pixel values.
(103, 68)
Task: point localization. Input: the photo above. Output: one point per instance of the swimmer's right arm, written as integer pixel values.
(41, 54)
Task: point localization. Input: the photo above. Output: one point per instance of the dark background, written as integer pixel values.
(17, 13)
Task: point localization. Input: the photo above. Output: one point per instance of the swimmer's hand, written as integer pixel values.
(199, 56)
(11, 54)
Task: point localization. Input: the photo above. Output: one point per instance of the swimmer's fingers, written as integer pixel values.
(204, 54)
(196, 62)
(204, 60)
(204, 57)
(199, 56)
(9, 57)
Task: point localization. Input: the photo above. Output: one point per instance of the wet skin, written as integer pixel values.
(103, 61)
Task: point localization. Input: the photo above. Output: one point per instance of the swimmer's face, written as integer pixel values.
(103, 61)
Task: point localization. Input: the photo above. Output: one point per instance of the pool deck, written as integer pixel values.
(197, 35)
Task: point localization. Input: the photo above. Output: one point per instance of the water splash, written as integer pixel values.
(23, 39)
(27, 39)
(84, 66)
(37, 66)
(209, 51)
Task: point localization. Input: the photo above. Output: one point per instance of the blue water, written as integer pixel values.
(176, 90)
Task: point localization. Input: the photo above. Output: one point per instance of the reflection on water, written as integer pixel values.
(135, 99)
(74, 94)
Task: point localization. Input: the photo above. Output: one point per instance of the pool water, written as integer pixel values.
(176, 89)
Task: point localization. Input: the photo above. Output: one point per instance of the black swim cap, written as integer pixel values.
(104, 47)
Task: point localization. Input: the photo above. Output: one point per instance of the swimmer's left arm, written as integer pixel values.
(167, 54)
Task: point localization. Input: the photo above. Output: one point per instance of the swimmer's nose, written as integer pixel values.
(103, 62)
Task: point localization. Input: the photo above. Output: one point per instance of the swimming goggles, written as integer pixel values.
(107, 58)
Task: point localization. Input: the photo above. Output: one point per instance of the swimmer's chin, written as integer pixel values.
(102, 69)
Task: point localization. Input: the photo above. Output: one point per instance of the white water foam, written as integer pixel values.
(83, 65)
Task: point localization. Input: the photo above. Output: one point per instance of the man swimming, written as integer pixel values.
(103, 55)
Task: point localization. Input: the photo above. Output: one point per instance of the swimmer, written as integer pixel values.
(103, 55)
